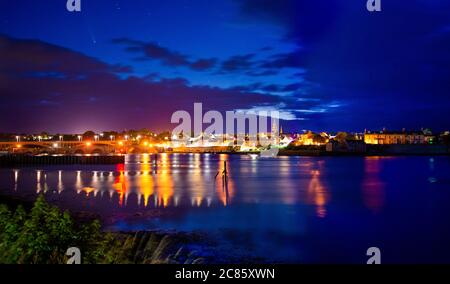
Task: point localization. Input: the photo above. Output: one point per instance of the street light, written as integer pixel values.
(126, 137)
(96, 137)
(18, 138)
(111, 137)
(138, 137)
(61, 138)
(79, 137)
(39, 138)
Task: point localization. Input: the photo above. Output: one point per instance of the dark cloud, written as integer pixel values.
(282, 88)
(204, 64)
(271, 65)
(153, 51)
(167, 56)
(35, 58)
(294, 59)
(238, 63)
(264, 73)
(247, 88)
(246, 64)
(89, 94)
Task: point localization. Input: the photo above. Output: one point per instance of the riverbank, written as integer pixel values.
(11, 160)
(140, 247)
(367, 150)
(322, 150)
(17, 160)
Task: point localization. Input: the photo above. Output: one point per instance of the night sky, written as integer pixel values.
(325, 64)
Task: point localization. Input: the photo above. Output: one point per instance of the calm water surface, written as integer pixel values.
(287, 209)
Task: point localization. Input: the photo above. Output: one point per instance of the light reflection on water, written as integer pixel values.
(155, 180)
(289, 207)
(373, 186)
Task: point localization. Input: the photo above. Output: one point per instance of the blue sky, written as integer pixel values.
(326, 64)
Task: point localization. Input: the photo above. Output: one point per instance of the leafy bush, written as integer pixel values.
(45, 233)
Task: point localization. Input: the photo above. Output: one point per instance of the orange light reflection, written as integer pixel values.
(120, 184)
(318, 194)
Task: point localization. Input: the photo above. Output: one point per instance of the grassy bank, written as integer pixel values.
(38, 233)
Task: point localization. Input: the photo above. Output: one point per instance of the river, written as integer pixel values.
(285, 209)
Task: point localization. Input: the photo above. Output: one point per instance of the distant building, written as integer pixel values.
(310, 138)
(390, 138)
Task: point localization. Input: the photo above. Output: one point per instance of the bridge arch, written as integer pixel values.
(34, 146)
(68, 147)
(98, 151)
(79, 152)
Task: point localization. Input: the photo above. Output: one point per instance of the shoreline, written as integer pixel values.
(158, 246)
(323, 150)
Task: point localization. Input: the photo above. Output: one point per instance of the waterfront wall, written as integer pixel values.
(13, 160)
(212, 149)
(401, 149)
(368, 150)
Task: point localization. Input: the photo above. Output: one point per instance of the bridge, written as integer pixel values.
(67, 147)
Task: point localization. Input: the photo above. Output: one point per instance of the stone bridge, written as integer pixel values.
(66, 147)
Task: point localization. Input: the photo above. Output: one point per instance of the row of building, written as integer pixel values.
(368, 137)
(389, 138)
(359, 143)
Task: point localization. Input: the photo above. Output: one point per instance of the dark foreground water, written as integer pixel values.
(287, 209)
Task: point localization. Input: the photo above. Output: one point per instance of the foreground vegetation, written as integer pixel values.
(43, 234)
